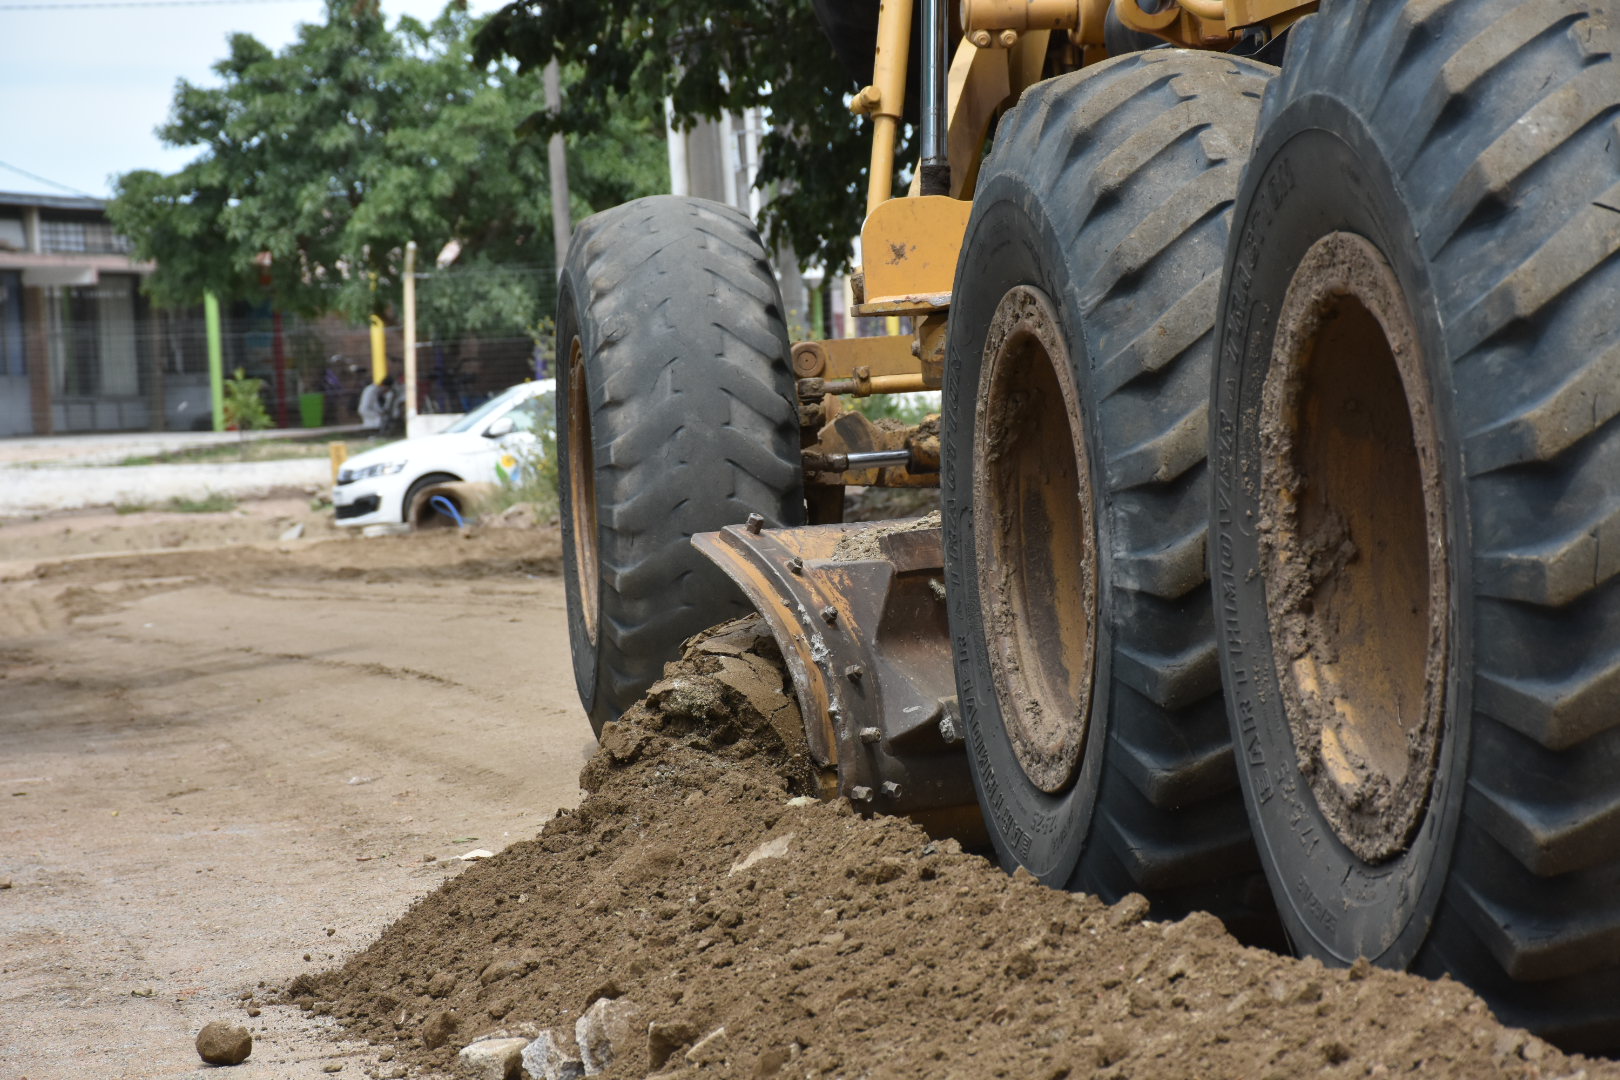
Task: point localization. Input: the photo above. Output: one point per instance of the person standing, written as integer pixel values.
(374, 403)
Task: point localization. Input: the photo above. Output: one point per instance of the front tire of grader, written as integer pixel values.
(1417, 496)
(676, 415)
(1075, 507)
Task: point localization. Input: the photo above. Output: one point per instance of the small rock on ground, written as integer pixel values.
(775, 848)
(553, 1055)
(709, 1049)
(438, 1029)
(494, 1059)
(608, 1024)
(221, 1043)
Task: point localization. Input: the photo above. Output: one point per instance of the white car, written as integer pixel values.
(381, 486)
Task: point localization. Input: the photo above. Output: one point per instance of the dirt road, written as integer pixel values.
(230, 771)
(227, 766)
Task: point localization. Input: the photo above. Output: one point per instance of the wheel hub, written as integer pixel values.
(1034, 536)
(1353, 539)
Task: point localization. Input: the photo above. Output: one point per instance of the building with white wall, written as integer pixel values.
(76, 335)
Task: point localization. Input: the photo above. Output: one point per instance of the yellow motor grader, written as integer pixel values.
(1277, 571)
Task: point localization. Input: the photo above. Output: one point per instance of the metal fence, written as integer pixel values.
(101, 358)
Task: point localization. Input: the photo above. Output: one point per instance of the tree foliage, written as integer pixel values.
(318, 163)
(710, 57)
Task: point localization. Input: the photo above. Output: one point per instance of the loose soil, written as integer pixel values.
(856, 946)
(57, 536)
(239, 772)
(225, 765)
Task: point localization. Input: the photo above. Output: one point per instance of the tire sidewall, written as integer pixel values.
(1317, 170)
(1014, 245)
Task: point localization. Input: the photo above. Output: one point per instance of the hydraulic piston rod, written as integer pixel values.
(934, 170)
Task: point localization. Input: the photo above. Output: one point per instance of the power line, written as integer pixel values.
(43, 179)
(141, 4)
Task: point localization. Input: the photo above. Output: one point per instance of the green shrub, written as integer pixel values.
(244, 404)
(906, 408)
(533, 477)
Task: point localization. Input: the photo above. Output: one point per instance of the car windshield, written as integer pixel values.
(482, 413)
(534, 415)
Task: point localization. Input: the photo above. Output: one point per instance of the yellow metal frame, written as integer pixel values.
(885, 100)
(846, 358)
(911, 245)
(909, 249)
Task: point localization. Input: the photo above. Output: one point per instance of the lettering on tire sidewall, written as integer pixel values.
(1337, 906)
(1041, 832)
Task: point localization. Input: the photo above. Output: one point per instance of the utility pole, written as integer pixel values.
(561, 221)
(216, 359)
(410, 336)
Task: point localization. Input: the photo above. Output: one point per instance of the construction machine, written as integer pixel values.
(1277, 572)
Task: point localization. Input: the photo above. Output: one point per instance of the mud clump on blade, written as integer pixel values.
(867, 543)
(865, 947)
(728, 695)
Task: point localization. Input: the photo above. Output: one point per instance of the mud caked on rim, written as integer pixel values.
(1038, 588)
(1416, 458)
(1353, 539)
(1076, 393)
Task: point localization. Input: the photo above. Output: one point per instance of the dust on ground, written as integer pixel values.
(239, 759)
(235, 770)
(100, 531)
(696, 884)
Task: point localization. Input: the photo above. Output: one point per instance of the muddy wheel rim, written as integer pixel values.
(1034, 538)
(582, 487)
(1353, 537)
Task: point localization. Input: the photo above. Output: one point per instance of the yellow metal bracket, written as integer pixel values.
(909, 249)
(847, 358)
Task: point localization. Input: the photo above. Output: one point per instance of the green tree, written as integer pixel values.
(711, 57)
(318, 163)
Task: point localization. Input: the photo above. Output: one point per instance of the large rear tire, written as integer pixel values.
(1075, 506)
(1417, 511)
(676, 415)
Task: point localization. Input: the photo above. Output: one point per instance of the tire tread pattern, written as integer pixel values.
(1152, 144)
(1502, 114)
(694, 419)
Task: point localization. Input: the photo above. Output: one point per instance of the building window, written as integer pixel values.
(118, 336)
(66, 236)
(12, 235)
(12, 359)
(62, 237)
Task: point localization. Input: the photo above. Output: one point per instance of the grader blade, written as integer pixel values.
(858, 611)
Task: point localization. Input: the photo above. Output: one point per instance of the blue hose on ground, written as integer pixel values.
(448, 509)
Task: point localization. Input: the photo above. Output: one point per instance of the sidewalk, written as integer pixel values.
(36, 490)
(108, 449)
(71, 472)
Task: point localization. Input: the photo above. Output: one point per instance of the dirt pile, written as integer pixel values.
(693, 886)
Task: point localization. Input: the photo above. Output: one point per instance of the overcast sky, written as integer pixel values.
(82, 89)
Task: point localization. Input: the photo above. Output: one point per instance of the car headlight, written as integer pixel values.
(348, 476)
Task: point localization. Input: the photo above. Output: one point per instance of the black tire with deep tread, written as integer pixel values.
(694, 425)
(1482, 142)
(1111, 190)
